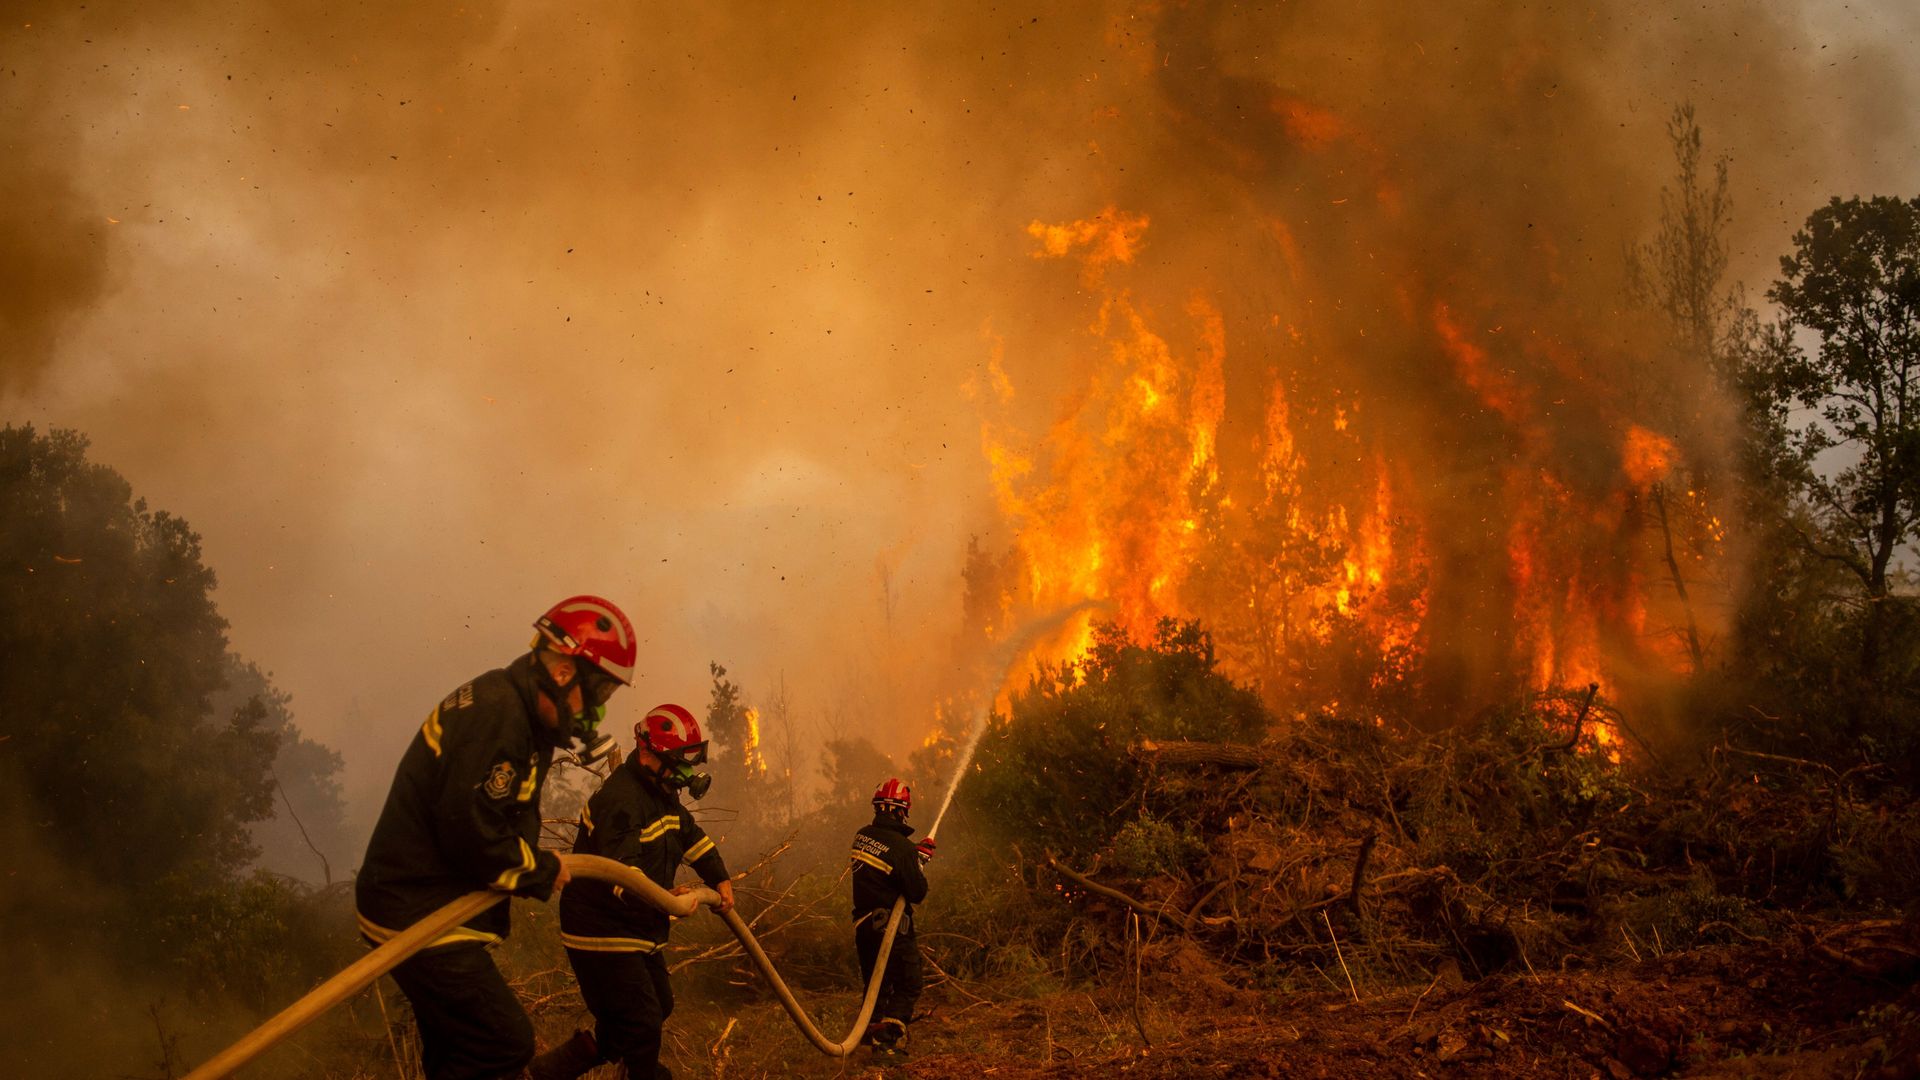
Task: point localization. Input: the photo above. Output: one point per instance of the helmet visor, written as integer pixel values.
(596, 686)
(689, 755)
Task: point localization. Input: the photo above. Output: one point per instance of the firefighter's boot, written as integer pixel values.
(890, 1039)
(567, 1060)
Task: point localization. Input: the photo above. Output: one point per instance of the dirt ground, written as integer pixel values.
(1766, 1009)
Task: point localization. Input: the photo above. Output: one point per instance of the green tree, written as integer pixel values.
(1058, 769)
(111, 652)
(137, 754)
(305, 836)
(1853, 282)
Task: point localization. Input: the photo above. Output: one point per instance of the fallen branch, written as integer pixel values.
(1408, 876)
(1176, 921)
(1194, 911)
(1227, 755)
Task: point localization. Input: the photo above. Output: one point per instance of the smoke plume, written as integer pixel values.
(426, 315)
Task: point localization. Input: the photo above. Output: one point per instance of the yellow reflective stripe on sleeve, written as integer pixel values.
(608, 944)
(660, 828)
(380, 935)
(509, 878)
(532, 781)
(872, 860)
(705, 845)
(431, 729)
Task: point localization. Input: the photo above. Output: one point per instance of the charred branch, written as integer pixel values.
(1188, 754)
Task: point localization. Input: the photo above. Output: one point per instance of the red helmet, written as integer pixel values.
(671, 731)
(893, 794)
(591, 628)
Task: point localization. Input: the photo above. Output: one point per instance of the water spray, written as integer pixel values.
(999, 662)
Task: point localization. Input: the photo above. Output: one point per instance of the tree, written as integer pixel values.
(1059, 769)
(305, 835)
(737, 758)
(136, 754)
(110, 653)
(1681, 274)
(1853, 281)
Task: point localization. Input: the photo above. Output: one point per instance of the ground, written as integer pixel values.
(1760, 1009)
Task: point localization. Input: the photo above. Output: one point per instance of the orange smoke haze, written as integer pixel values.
(427, 314)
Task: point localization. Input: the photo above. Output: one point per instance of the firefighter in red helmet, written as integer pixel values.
(613, 940)
(464, 814)
(886, 867)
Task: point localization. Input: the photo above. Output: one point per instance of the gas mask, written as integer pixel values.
(596, 686)
(676, 770)
(594, 743)
(679, 774)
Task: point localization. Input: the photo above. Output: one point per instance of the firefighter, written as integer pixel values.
(464, 814)
(614, 940)
(886, 866)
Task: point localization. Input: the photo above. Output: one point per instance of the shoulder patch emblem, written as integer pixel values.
(459, 699)
(499, 781)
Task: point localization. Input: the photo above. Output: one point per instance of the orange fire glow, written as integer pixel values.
(1305, 533)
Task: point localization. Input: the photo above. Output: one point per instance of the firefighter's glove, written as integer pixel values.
(924, 849)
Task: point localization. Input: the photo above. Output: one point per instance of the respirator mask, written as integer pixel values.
(676, 770)
(596, 687)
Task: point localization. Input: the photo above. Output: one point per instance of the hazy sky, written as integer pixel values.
(427, 317)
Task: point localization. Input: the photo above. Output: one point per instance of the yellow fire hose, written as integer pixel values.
(358, 975)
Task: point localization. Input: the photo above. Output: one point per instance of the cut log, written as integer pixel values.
(1225, 755)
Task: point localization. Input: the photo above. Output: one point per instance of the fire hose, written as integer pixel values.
(388, 956)
(360, 974)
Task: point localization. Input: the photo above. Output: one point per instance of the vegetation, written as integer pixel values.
(137, 756)
(1138, 809)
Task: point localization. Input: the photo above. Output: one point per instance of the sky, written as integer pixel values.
(427, 315)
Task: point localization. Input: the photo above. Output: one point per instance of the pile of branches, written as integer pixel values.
(1542, 837)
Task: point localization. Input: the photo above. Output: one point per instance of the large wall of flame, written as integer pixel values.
(427, 313)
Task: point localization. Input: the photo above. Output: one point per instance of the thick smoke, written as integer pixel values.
(55, 267)
(428, 314)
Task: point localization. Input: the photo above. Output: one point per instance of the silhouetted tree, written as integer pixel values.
(305, 835)
(1853, 281)
(110, 654)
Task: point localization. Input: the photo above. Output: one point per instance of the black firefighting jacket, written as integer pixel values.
(886, 867)
(635, 820)
(464, 812)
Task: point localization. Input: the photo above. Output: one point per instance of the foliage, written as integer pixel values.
(1057, 766)
(112, 652)
(258, 938)
(1148, 846)
(1853, 280)
(136, 749)
(305, 836)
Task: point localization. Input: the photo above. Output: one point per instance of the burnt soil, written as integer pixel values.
(1761, 1009)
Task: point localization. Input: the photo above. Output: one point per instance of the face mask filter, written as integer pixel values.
(679, 774)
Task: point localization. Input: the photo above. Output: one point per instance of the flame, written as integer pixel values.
(751, 756)
(1647, 457)
(1314, 543)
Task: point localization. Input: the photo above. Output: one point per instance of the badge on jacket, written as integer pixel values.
(500, 780)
